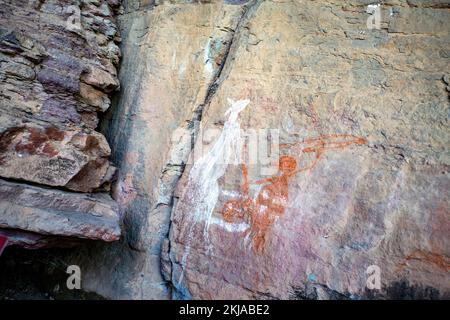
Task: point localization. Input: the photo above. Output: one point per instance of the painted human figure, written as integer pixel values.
(273, 196)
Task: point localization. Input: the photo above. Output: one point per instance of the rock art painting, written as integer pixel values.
(251, 218)
(204, 175)
(273, 197)
(227, 149)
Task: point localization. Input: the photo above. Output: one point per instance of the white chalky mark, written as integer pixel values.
(182, 70)
(255, 191)
(207, 59)
(372, 7)
(211, 167)
(231, 194)
(202, 187)
(174, 59)
(230, 227)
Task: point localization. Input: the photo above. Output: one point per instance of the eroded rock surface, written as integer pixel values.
(337, 203)
(364, 112)
(57, 69)
(167, 73)
(361, 177)
(38, 217)
(58, 64)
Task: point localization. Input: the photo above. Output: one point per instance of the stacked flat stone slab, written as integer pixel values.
(57, 69)
(49, 213)
(58, 64)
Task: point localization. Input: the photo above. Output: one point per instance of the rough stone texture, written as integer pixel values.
(30, 240)
(365, 112)
(156, 98)
(311, 69)
(39, 217)
(57, 68)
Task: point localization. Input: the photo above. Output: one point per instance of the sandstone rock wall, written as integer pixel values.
(165, 84)
(363, 111)
(57, 67)
(58, 63)
(312, 70)
(356, 119)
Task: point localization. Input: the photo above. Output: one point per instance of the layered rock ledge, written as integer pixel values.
(58, 64)
(34, 217)
(57, 69)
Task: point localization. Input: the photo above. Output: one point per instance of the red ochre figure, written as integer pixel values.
(273, 196)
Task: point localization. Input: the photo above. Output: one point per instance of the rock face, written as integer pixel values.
(266, 149)
(57, 68)
(46, 214)
(351, 112)
(361, 117)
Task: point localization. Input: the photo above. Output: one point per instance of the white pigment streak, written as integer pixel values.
(211, 167)
(229, 226)
(207, 59)
(202, 190)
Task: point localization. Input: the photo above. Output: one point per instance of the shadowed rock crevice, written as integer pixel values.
(37, 275)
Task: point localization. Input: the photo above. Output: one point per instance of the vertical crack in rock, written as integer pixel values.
(224, 68)
(325, 73)
(205, 173)
(195, 123)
